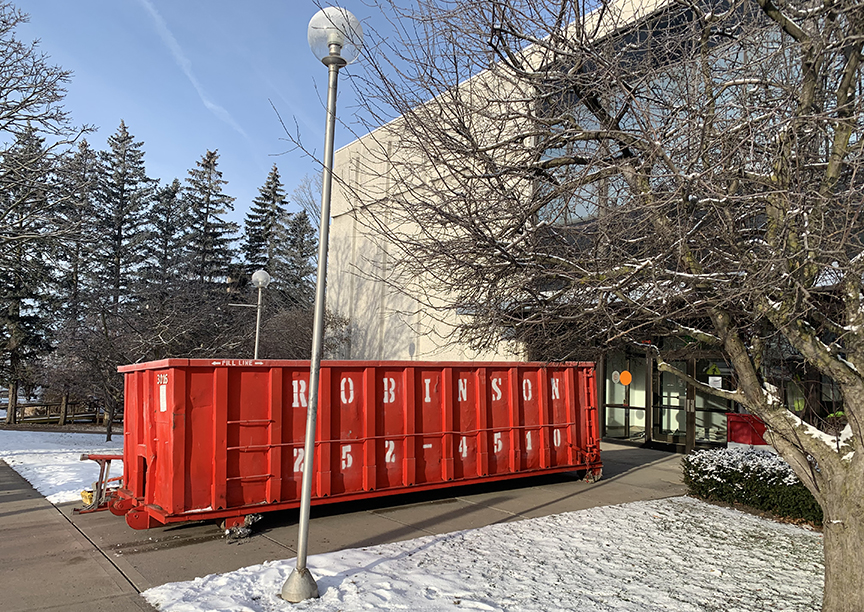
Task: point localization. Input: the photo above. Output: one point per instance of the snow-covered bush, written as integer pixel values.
(756, 478)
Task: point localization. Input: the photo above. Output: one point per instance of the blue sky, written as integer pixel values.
(191, 75)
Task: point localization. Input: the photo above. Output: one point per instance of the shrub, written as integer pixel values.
(755, 478)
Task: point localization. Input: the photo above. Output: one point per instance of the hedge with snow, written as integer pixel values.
(755, 478)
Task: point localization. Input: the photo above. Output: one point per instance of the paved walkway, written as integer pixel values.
(53, 559)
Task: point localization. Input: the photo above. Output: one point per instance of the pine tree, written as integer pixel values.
(295, 270)
(211, 236)
(123, 196)
(168, 232)
(263, 225)
(25, 276)
(78, 176)
(114, 287)
(64, 373)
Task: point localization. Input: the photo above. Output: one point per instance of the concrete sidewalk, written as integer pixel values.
(47, 564)
(59, 560)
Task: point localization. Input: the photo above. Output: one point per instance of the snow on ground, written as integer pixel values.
(676, 554)
(51, 462)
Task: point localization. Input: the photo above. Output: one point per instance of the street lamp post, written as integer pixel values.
(335, 37)
(260, 280)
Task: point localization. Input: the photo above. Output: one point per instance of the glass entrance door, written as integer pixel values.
(625, 395)
(708, 421)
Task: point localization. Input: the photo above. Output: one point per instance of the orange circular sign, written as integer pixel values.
(625, 378)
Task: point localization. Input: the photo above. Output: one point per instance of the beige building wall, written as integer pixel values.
(388, 311)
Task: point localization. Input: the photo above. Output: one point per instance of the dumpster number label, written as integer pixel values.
(463, 446)
(498, 443)
(390, 454)
(299, 453)
(527, 390)
(162, 381)
(347, 459)
(347, 389)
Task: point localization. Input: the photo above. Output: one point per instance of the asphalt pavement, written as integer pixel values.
(53, 559)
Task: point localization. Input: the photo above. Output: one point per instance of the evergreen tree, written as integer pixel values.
(168, 231)
(263, 224)
(123, 196)
(64, 373)
(25, 276)
(210, 238)
(78, 177)
(114, 289)
(294, 273)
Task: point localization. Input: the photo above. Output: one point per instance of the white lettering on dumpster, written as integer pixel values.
(347, 459)
(390, 451)
(496, 389)
(555, 393)
(298, 459)
(299, 393)
(463, 389)
(428, 397)
(347, 388)
(389, 390)
(235, 362)
(527, 390)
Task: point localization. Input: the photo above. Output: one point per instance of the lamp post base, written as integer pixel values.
(300, 586)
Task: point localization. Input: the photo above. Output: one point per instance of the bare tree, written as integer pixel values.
(579, 175)
(31, 96)
(307, 195)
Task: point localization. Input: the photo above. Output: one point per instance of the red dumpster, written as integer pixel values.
(223, 438)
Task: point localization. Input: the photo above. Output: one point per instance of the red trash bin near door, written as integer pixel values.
(223, 438)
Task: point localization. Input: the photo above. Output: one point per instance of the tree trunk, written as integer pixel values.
(109, 418)
(12, 406)
(844, 557)
(64, 407)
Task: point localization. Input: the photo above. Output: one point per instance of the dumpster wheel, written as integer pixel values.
(236, 529)
(593, 475)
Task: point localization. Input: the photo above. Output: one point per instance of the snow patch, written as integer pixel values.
(51, 461)
(832, 442)
(676, 554)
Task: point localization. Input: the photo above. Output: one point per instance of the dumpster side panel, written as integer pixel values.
(197, 393)
(248, 439)
(464, 396)
(427, 407)
(347, 431)
(295, 402)
(392, 456)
